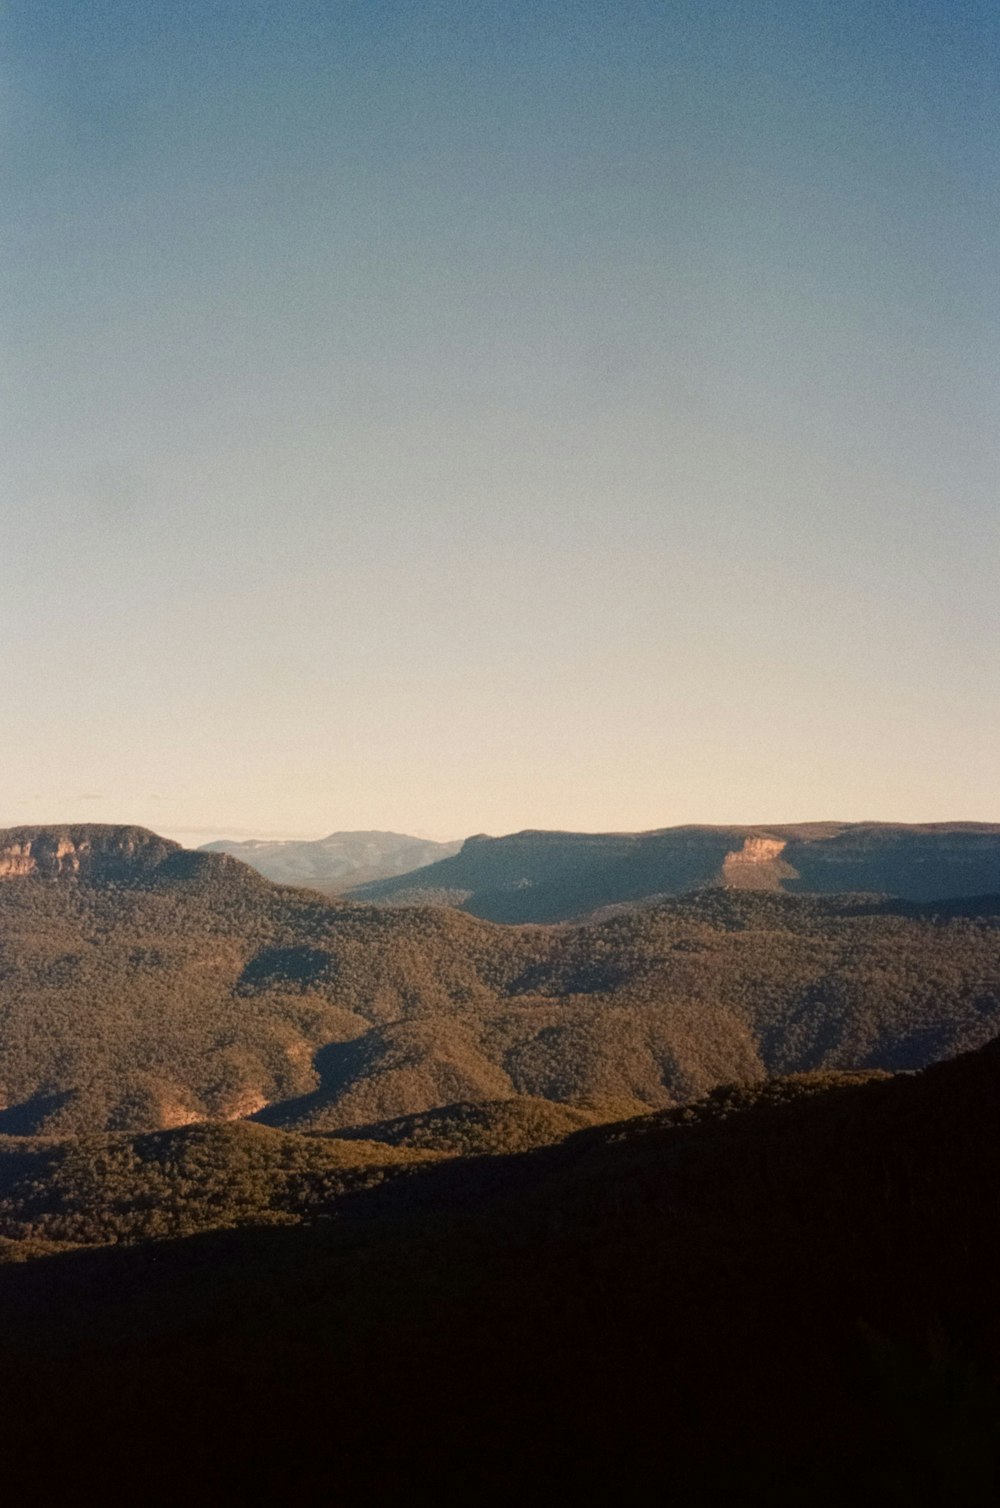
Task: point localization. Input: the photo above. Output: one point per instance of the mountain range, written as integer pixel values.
(313, 1199)
(552, 877)
(144, 987)
(336, 862)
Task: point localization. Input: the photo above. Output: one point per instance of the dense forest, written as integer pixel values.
(113, 1187)
(188, 988)
(297, 1192)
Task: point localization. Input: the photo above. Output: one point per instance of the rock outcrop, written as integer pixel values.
(87, 850)
(758, 865)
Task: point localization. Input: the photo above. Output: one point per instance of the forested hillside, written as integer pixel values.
(115, 1187)
(189, 988)
(120, 1188)
(552, 876)
(642, 1195)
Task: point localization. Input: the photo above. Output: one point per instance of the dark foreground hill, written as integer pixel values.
(553, 877)
(122, 1187)
(333, 863)
(143, 987)
(781, 1298)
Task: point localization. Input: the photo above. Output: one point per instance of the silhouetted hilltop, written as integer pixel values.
(332, 864)
(553, 877)
(786, 1296)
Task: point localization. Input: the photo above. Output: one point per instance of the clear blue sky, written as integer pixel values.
(460, 416)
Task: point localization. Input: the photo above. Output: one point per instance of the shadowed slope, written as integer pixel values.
(92, 1190)
(489, 1127)
(789, 1295)
(552, 877)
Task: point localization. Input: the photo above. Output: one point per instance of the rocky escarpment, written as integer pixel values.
(553, 877)
(86, 850)
(102, 854)
(758, 865)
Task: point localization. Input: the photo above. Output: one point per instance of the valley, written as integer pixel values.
(168, 987)
(697, 1190)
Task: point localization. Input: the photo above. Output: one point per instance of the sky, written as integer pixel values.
(468, 415)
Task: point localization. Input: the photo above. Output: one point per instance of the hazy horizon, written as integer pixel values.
(475, 417)
(198, 837)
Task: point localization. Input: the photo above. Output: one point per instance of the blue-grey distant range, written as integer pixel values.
(337, 861)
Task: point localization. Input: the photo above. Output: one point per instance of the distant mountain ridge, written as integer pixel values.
(333, 863)
(563, 876)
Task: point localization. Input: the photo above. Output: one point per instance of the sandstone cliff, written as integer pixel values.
(88, 850)
(553, 876)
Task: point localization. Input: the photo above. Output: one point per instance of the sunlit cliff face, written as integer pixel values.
(757, 865)
(83, 850)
